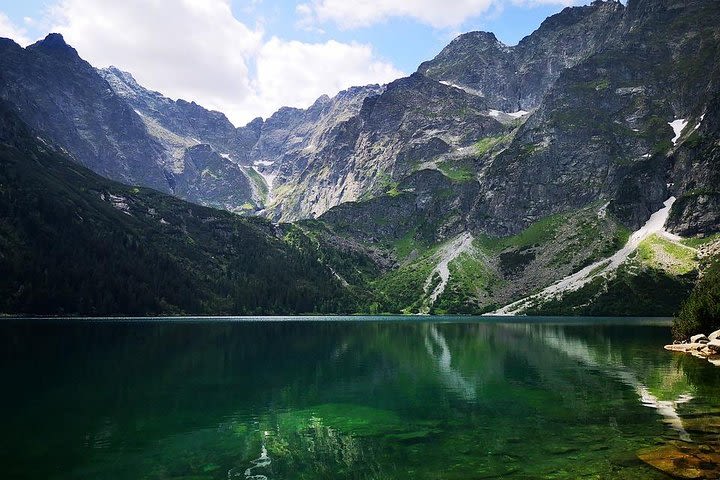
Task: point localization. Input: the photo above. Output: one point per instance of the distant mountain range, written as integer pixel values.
(487, 175)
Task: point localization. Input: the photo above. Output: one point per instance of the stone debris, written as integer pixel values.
(701, 346)
(699, 338)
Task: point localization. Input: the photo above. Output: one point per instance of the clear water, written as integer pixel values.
(353, 398)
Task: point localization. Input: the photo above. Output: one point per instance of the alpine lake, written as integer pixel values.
(354, 398)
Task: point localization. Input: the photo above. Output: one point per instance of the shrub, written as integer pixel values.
(700, 313)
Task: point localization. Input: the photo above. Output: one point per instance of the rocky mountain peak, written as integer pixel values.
(121, 82)
(570, 16)
(6, 43)
(478, 36)
(516, 78)
(53, 42)
(255, 124)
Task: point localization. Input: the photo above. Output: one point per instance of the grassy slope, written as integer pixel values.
(700, 313)
(495, 271)
(653, 282)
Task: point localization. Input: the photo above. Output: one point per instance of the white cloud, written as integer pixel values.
(9, 30)
(436, 13)
(295, 73)
(197, 50)
(194, 49)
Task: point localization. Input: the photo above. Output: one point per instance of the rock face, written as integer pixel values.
(602, 133)
(436, 114)
(604, 81)
(189, 121)
(65, 99)
(413, 121)
(696, 167)
(517, 78)
(60, 95)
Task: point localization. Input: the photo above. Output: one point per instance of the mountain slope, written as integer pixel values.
(603, 131)
(616, 135)
(187, 120)
(76, 243)
(57, 93)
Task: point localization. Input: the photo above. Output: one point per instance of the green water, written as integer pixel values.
(452, 398)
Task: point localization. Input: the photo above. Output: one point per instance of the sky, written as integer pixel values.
(247, 58)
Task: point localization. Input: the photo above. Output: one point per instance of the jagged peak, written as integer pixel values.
(255, 124)
(323, 99)
(53, 42)
(571, 15)
(124, 76)
(477, 36)
(8, 42)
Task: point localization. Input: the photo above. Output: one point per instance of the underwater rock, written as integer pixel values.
(683, 461)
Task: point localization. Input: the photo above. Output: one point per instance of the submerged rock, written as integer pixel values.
(684, 461)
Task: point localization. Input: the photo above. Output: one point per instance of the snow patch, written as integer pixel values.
(654, 225)
(518, 114)
(263, 163)
(678, 125)
(463, 88)
(499, 113)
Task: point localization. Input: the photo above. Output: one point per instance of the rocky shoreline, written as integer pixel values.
(701, 346)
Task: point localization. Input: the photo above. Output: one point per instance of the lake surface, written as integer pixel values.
(347, 398)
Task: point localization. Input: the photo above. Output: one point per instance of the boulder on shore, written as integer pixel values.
(684, 347)
(700, 346)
